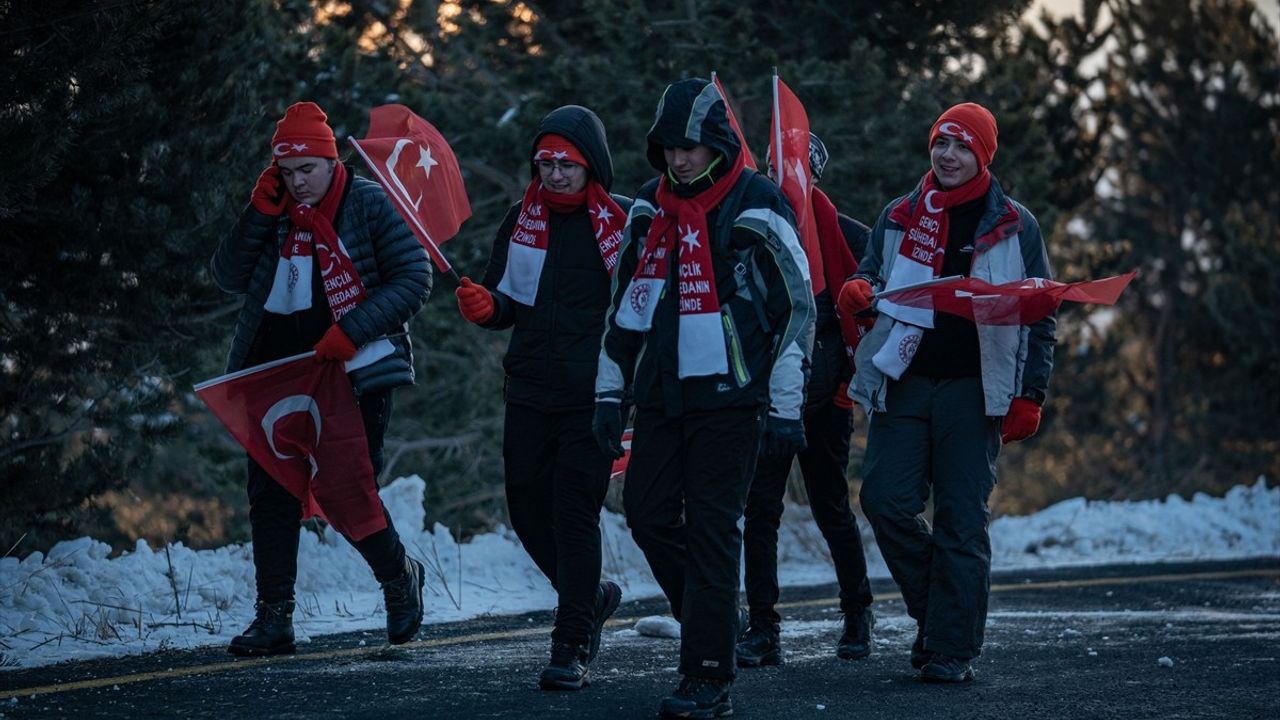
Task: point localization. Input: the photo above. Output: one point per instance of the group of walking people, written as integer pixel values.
(695, 314)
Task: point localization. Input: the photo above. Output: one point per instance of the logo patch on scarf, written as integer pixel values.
(639, 298)
(907, 348)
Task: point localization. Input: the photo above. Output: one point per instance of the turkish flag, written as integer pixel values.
(1020, 302)
(789, 148)
(299, 420)
(750, 159)
(415, 165)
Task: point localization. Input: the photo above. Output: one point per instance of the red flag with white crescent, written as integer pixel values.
(414, 164)
(789, 148)
(748, 159)
(1020, 302)
(299, 420)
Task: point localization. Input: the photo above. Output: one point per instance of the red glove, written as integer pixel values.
(855, 296)
(474, 302)
(335, 345)
(841, 399)
(1022, 421)
(268, 195)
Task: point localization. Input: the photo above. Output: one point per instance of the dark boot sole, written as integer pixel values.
(242, 651)
(718, 711)
(563, 685)
(844, 654)
(745, 661)
(948, 679)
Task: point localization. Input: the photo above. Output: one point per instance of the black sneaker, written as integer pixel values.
(567, 669)
(946, 669)
(403, 597)
(699, 698)
(608, 596)
(855, 643)
(919, 656)
(759, 646)
(270, 633)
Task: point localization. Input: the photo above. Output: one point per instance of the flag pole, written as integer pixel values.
(778, 164)
(405, 212)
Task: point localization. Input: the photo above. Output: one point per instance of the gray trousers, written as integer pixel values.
(935, 434)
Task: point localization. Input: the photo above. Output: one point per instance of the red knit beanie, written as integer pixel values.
(973, 124)
(303, 132)
(557, 147)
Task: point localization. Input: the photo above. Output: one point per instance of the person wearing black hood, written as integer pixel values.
(711, 326)
(548, 278)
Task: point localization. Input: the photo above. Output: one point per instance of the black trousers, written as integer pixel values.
(823, 464)
(685, 491)
(275, 518)
(935, 434)
(556, 479)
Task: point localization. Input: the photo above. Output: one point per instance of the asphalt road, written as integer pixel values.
(1083, 643)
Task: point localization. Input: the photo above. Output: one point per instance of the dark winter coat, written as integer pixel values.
(830, 362)
(761, 275)
(392, 264)
(555, 343)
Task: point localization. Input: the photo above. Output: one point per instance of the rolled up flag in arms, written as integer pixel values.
(1021, 302)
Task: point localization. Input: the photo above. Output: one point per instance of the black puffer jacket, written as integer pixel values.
(551, 359)
(392, 264)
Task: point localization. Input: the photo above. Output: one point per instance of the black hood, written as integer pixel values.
(691, 112)
(581, 127)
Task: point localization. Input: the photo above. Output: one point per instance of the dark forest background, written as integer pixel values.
(1144, 135)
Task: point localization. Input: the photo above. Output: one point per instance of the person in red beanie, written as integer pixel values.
(943, 392)
(548, 279)
(324, 263)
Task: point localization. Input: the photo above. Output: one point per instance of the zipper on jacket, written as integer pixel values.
(736, 361)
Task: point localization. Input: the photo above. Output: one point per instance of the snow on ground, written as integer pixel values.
(77, 602)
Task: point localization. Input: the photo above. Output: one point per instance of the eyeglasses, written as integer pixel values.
(547, 167)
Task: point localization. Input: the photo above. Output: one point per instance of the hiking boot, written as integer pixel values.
(744, 622)
(403, 597)
(608, 596)
(270, 633)
(919, 656)
(567, 669)
(946, 669)
(759, 646)
(855, 643)
(699, 698)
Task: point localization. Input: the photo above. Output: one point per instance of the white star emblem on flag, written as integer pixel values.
(425, 161)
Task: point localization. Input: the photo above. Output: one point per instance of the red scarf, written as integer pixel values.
(531, 234)
(681, 227)
(925, 241)
(838, 265)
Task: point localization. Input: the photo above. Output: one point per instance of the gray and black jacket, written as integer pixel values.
(392, 264)
(1015, 360)
(762, 278)
(551, 359)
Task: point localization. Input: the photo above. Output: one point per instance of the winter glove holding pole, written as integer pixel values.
(1021, 422)
(855, 296)
(607, 427)
(474, 302)
(268, 195)
(783, 437)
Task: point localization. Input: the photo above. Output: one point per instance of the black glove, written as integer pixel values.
(607, 428)
(783, 437)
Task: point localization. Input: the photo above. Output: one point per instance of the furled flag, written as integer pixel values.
(1020, 302)
(789, 151)
(620, 465)
(750, 159)
(415, 165)
(299, 420)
